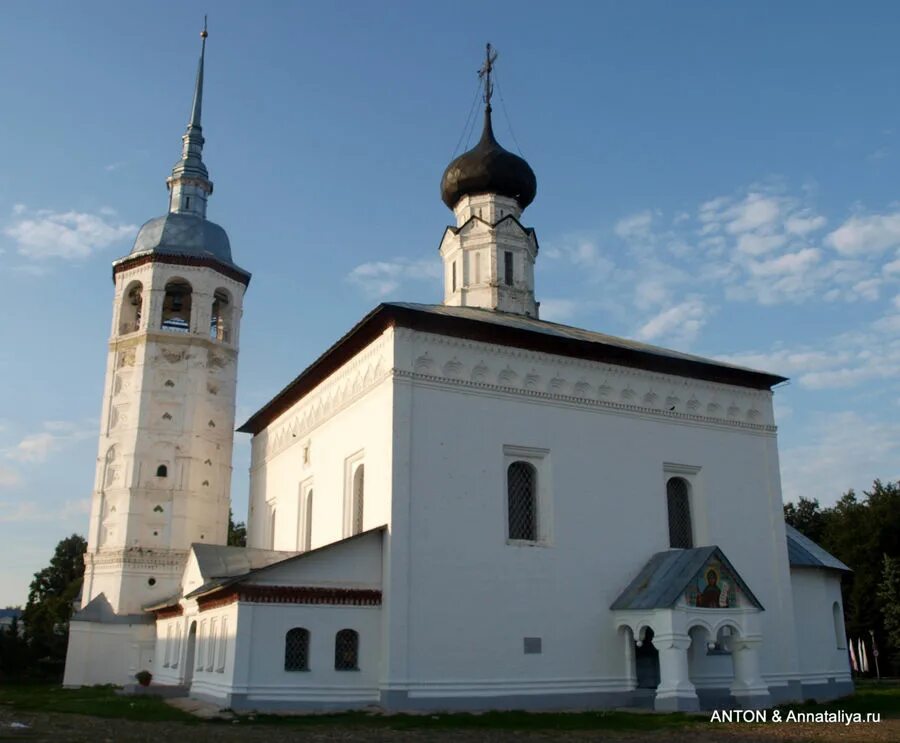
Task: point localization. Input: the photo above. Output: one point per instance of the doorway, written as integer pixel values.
(646, 661)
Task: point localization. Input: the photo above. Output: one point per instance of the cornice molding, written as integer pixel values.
(446, 360)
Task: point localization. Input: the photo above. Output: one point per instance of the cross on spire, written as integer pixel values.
(484, 73)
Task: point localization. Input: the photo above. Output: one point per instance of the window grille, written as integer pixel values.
(296, 650)
(521, 484)
(346, 650)
(680, 532)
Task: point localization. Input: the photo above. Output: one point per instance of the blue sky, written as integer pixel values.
(713, 177)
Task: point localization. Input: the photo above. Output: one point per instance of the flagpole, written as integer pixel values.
(875, 655)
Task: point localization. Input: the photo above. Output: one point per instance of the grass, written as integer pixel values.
(870, 696)
(102, 701)
(97, 701)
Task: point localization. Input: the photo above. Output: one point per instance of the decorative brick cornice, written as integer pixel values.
(172, 259)
(290, 595)
(136, 558)
(167, 612)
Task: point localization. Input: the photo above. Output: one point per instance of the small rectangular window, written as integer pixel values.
(507, 268)
(532, 645)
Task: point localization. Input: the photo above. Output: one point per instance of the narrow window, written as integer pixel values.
(507, 268)
(176, 310)
(346, 650)
(130, 312)
(162, 471)
(187, 202)
(220, 317)
(307, 535)
(521, 489)
(453, 270)
(678, 501)
(359, 492)
(838, 618)
(296, 650)
(272, 530)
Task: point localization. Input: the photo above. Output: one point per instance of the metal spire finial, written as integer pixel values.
(198, 90)
(485, 74)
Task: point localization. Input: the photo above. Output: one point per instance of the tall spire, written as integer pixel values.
(198, 88)
(189, 185)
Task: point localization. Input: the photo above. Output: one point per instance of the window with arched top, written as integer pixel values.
(359, 493)
(296, 649)
(162, 471)
(679, 507)
(346, 650)
(837, 615)
(220, 317)
(176, 309)
(521, 492)
(132, 306)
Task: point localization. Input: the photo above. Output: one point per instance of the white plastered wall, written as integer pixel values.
(822, 646)
(608, 435)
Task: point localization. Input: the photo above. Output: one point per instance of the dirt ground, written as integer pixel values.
(70, 728)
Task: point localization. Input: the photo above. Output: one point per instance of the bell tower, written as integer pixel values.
(489, 255)
(163, 474)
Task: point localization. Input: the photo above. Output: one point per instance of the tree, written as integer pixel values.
(50, 599)
(889, 593)
(237, 532)
(806, 517)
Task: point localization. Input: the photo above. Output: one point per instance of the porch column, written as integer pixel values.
(675, 691)
(749, 689)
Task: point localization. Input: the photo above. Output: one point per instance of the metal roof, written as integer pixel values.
(666, 576)
(803, 552)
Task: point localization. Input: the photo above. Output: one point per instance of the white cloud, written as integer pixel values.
(803, 224)
(845, 450)
(860, 235)
(68, 235)
(755, 211)
(380, 278)
(37, 447)
(634, 226)
(9, 478)
(33, 448)
(678, 324)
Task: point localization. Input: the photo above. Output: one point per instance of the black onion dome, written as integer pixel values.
(488, 168)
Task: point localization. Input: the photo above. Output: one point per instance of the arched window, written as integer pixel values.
(176, 310)
(220, 317)
(162, 471)
(346, 650)
(296, 650)
(521, 491)
(837, 614)
(678, 501)
(130, 312)
(359, 490)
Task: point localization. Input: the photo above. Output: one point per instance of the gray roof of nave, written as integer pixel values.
(803, 552)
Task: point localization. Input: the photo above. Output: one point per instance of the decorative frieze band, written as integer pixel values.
(291, 595)
(136, 558)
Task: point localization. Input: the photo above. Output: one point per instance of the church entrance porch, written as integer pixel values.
(696, 622)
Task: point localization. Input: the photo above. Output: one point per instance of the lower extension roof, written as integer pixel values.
(505, 329)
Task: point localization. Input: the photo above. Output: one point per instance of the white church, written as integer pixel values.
(456, 506)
